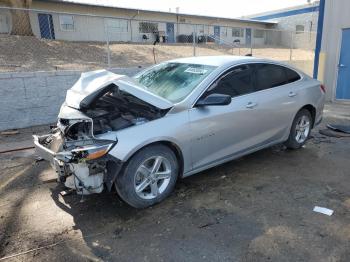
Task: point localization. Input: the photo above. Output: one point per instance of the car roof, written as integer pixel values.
(225, 61)
(216, 60)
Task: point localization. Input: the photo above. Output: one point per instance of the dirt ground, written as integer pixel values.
(256, 208)
(27, 53)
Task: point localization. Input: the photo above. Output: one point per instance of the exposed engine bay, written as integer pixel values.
(81, 159)
(110, 110)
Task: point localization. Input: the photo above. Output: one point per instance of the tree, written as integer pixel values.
(20, 18)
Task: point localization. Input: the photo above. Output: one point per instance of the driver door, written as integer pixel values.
(220, 132)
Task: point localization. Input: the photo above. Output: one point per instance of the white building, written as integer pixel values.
(301, 18)
(332, 56)
(67, 20)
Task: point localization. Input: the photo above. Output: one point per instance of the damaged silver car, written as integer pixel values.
(175, 119)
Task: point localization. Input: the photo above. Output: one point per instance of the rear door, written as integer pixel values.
(277, 96)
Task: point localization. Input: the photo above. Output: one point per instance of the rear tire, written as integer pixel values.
(148, 177)
(300, 130)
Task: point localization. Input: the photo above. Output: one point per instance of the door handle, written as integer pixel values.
(251, 105)
(341, 65)
(292, 94)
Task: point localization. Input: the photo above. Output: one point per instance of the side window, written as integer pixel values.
(67, 22)
(236, 82)
(269, 76)
(299, 29)
(291, 75)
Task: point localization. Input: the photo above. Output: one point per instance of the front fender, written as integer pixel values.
(172, 128)
(125, 156)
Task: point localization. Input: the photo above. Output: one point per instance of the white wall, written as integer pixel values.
(308, 20)
(336, 18)
(305, 40)
(34, 98)
(87, 28)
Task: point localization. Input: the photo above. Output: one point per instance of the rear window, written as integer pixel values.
(292, 76)
(270, 75)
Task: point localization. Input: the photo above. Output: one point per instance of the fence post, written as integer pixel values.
(194, 39)
(291, 46)
(130, 23)
(251, 41)
(107, 42)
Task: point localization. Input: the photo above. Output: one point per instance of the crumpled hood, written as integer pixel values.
(91, 82)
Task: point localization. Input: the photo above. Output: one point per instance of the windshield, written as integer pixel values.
(173, 81)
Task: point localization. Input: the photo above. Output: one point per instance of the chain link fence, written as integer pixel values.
(37, 40)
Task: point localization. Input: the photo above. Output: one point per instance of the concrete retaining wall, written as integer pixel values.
(34, 98)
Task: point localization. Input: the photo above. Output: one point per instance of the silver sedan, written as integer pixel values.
(140, 134)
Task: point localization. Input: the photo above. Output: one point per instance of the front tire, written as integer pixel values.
(148, 177)
(300, 130)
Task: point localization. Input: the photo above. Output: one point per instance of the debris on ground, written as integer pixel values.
(66, 192)
(339, 128)
(320, 139)
(208, 224)
(39, 159)
(332, 133)
(278, 148)
(117, 232)
(323, 210)
(51, 180)
(9, 132)
(16, 149)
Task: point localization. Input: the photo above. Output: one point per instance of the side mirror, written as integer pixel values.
(214, 100)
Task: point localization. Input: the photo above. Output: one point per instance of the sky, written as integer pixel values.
(218, 8)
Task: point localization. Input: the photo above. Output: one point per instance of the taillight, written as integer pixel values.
(323, 88)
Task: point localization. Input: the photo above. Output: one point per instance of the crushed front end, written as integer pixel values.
(80, 160)
(98, 105)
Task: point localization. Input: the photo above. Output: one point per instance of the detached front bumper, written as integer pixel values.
(82, 168)
(41, 150)
(50, 152)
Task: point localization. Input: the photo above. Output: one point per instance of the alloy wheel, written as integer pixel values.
(152, 177)
(302, 129)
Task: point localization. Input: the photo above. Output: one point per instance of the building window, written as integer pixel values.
(299, 29)
(67, 22)
(146, 27)
(237, 32)
(258, 33)
(117, 25)
(224, 31)
(200, 29)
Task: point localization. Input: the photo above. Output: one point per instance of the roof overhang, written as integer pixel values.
(81, 2)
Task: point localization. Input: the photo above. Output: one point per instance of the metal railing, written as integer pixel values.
(32, 40)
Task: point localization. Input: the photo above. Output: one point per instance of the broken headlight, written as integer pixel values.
(91, 152)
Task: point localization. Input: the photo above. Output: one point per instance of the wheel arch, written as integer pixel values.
(312, 111)
(171, 145)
